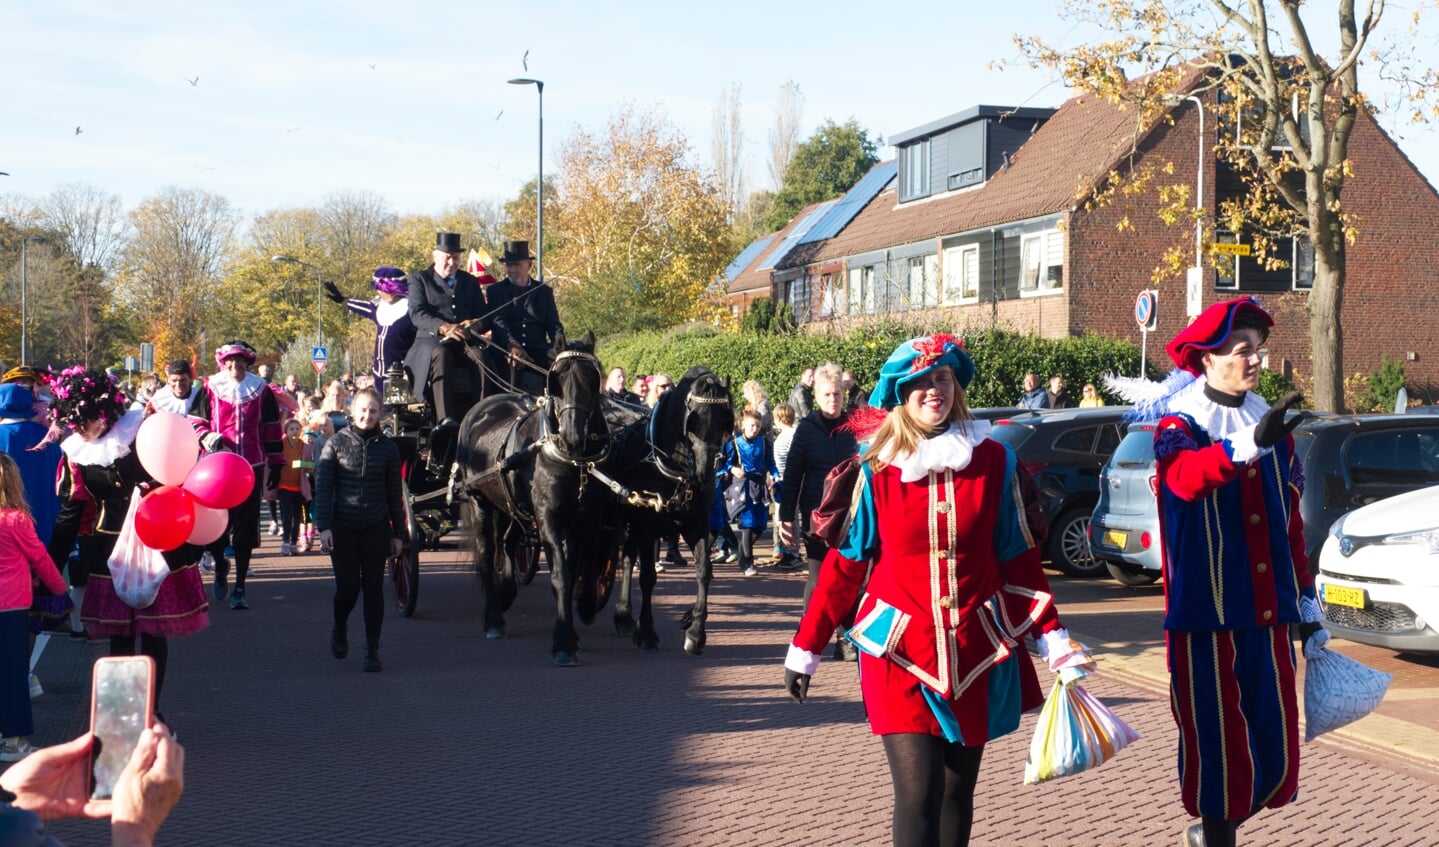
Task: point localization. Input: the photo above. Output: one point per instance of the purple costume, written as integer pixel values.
(394, 332)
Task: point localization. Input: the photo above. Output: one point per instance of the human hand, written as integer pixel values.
(148, 788)
(1272, 428)
(272, 477)
(797, 684)
(786, 533)
(327, 539)
(517, 354)
(397, 547)
(212, 441)
(332, 292)
(54, 782)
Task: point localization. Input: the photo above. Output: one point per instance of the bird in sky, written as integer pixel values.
(525, 60)
(193, 82)
(293, 129)
(372, 67)
(501, 112)
(2, 173)
(78, 130)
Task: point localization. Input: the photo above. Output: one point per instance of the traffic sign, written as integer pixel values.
(1227, 249)
(319, 354)
(1146, 310)
(319, 366)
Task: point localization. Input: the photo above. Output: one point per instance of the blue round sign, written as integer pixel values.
(1146, 307)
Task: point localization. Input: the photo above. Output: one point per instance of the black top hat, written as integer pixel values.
(517, 251)
(448, 242)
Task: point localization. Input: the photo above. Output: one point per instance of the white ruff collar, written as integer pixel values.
(952, 448)
(387, 313)
(1219, 421)
(222, 386)
(109, 448)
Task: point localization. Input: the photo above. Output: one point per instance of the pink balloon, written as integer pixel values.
(165, 518)
(221, 480)
(209, 524)
(167, 447)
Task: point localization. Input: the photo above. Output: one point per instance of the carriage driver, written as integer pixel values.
(526, 320)
(445, 303)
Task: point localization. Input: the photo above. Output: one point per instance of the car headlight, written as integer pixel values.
(1427, 538)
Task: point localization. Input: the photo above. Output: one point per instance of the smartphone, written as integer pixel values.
(122, 705)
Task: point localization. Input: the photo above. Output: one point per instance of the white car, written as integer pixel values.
(1378, 577)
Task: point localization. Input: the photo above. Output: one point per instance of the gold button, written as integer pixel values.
(1268, 615)
(1254, 519)
(1261, 567)
(1252, 473)
(944, 554)
(946, 602)
(942, 508)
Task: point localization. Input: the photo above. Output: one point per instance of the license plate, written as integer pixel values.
(1338, 595)
(1114, 538)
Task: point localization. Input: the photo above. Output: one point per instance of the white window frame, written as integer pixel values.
(961, 275)
(1041, 254)
(827, 286)
(854, 296)
(915, 178)
(922, 286)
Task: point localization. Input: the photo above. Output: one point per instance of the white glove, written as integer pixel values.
(1241, 442)
(1065, 656)
(212, 441)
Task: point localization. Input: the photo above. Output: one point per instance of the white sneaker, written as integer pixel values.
(15, 749)
(207, 562)
(274, 528)
(36, 689)
(659, 567)
(750, 572)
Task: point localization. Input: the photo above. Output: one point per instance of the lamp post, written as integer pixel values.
(540, 184)
(25, 297)
(319, 301)
(1195, 293)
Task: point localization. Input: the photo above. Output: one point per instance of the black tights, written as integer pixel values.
(358, 560)
(1219, 832)
(934, 784)
(156, 647)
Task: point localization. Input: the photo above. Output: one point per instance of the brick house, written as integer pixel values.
(981, 219)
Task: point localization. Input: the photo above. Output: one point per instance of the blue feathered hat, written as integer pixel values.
(915, 358)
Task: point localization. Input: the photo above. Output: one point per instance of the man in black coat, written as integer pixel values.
(820, 442)
(445, 303)
(526, 321)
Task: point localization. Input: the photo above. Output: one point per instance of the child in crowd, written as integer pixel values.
(785, 558)
(318, 430)
(748, 464)
(293, 487)
(20, 553)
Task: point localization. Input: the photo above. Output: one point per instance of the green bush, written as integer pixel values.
(775, 361)
(1273, 385)
(1384, 384)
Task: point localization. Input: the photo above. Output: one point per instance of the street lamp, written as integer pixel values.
(319, 301)
(24, 297)
(540, 185)
(1195, 293)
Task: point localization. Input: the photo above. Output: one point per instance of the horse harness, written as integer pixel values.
(685, 478)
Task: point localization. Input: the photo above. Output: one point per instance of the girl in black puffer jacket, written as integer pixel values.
(360, 513)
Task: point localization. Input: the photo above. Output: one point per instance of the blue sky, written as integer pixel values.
(295, 100)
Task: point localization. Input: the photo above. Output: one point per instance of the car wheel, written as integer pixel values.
(1069, 544)
(1124, 576)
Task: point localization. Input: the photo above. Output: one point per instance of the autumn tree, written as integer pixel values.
(826, 165)
(1287, 109)
(632, 207)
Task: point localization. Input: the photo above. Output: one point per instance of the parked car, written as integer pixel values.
(1063, 451)
(1124, 528)
(1379, 582)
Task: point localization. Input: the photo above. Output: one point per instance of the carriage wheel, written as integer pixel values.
(525, 556)
(405, 568)
(605, 583)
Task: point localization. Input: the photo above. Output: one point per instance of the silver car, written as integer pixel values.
(1124, 529)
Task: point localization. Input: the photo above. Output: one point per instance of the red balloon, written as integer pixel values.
(220, 480)
(165, 518)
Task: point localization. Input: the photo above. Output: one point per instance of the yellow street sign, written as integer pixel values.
(1231, 249)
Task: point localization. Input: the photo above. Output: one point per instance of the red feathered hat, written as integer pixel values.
(1210, 330)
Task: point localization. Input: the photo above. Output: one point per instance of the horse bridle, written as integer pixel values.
(549, 413)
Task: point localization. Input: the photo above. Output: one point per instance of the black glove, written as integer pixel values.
(272, 479)
(1272, 428)
(1308, 631)
(333, 292)
(797, 684)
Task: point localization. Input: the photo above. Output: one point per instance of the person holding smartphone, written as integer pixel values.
(360, 512)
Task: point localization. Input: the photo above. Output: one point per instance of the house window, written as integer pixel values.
(830, 294)
(923, 289)
(1233, 272)
(1303, 263)
(1041, 262)
(799, 297)
(961, 275)
(861, 291)
(914, 178)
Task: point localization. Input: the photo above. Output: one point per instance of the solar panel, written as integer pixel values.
(853, 200)
(735, 268)
(798, 231)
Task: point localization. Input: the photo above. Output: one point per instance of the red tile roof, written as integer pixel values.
(1053, 171)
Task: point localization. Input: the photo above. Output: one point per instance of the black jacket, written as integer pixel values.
(818, 445)
(357, 483)
(525, 315)
(433, 303)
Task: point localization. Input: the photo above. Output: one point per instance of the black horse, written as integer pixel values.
(666, 461)
(526, 461)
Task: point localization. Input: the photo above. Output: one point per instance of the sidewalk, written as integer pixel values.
(463, 741)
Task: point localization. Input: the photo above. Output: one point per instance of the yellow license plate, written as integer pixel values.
(1116, 539)
(1338, 595)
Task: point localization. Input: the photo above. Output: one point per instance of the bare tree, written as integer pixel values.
(784, 137)
(727, 148)
(353, 226)
(90, 222)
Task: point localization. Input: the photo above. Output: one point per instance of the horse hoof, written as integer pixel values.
(494, 633)
(625, 629)
(565, 659)
(647, 645)
(694, 646)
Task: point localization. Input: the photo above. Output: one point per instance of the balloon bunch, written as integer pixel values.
(191, 504)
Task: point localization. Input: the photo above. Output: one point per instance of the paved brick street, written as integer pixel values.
(461, 741)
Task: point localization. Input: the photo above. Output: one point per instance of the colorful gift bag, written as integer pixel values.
(1076, 732)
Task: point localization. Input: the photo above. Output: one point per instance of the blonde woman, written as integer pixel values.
(755, 397)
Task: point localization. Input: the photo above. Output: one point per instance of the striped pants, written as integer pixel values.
(1233, 698)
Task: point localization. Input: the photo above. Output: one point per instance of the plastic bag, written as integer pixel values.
(1339, 691)
(137, 571)
(1075, 733)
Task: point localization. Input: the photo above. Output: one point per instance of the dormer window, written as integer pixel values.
(914, 171)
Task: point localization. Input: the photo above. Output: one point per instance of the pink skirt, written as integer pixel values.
(180, 608)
